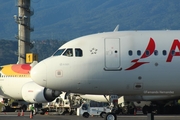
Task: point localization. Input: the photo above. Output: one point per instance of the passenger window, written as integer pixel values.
(155, 52)
(58, 52)
(164, 52)
(173, 52)
(78, 52)
(130, 52)
(139, 52)
(147, 53)
(68, 52)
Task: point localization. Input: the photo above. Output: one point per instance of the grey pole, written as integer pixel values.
(24, 29)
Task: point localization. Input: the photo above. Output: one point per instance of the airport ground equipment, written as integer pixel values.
(93, 108)
(65, 103)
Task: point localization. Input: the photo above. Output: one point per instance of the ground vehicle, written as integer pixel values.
(65, 103)
(91, 108)
(14, 105)
(10, 105)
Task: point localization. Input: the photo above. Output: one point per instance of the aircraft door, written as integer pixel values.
(112, 54)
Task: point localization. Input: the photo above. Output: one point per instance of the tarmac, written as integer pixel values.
(26, 116)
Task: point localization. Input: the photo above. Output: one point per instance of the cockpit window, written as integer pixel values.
(68, 52)
(78, 52)
(58, 52)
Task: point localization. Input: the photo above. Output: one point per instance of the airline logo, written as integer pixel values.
(16, 69)
(150, 50)
(175, 44)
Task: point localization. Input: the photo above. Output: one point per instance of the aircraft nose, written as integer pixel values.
(38, 74)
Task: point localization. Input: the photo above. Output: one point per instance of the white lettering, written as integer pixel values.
(158, 92)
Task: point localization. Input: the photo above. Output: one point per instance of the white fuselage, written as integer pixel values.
(121, 63)
(12, 79)
(11, 87)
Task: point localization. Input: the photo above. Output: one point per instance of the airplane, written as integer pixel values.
(15, 83)
(124, 63)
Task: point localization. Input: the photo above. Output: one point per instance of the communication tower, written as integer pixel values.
(24, 29)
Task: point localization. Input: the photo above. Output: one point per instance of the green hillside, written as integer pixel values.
(44, 49)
